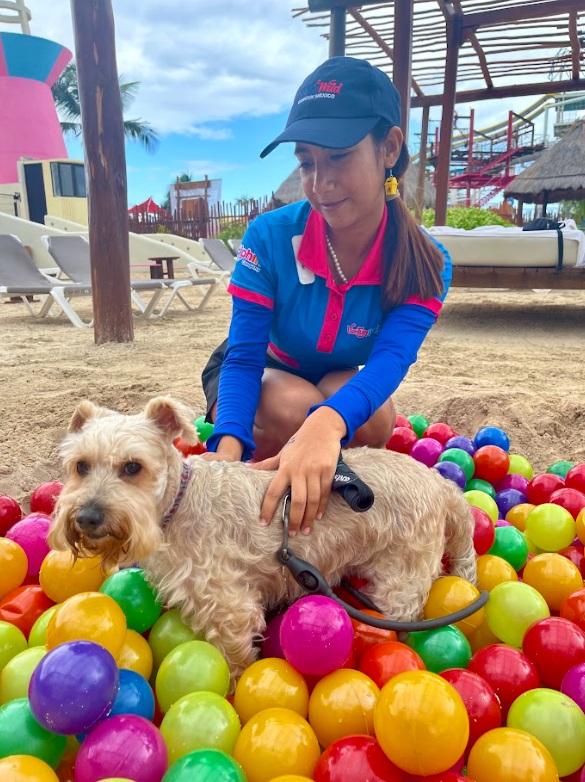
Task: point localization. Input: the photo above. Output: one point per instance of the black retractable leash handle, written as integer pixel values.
(360, 498)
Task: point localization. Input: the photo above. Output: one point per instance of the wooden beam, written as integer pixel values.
(422, 166)
(315, 6)
(513, 91)
(575, 45)
(337, 32)
(103, 141)
(402, 63)
(517, 13)
(521, 277)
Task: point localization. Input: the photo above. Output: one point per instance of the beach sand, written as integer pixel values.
(513, 359)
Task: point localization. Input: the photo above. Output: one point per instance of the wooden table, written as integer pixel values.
(162, 266)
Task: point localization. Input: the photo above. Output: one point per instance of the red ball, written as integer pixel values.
(542, 486)
(189, 449)
(23, 606)
(572, 500)
(575, 478)
(402, 421)
(491, 463)
(356, 758)
(446, 776)
(573, 608)
(483, 707)
(508, 671)
(365, 636)
(387, 659)
(484, 533)
(554, 645)
(402, 440)
(440, 432)
(10, 513)
(576, 556)
(44, 497)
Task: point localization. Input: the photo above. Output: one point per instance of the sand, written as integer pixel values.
(513, 359)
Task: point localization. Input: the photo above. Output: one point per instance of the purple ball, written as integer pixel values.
(573, 684)
(513, 481)
(508, 499)
(452, 472)
(503, 523)
(73, 687)
(459, 441)
(271, 644)
(427, 451)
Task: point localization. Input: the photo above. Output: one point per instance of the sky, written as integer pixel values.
(217, 78)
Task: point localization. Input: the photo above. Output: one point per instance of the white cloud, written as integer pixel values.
(210, 134)
(199, 168)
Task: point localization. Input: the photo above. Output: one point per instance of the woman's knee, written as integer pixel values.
(284, 402)
(378, 429)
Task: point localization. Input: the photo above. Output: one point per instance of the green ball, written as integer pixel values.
(205, 765)
(440, 649)
(510, 544)
(204, 428)
(461, 458)
(167, 632)
(478, 484)
(16, 674)
(419, 423)
(135, 596)
(191, 667)
(560, 468)
(12, 642)
(38, 634)
(21, 734)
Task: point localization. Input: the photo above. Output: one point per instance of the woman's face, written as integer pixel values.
(346, 186)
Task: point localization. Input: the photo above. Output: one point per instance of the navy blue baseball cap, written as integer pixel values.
(339, 104)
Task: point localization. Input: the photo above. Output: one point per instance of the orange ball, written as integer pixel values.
(270, 683)
(13, 566)
(554, 576)
(89, 616)
(26, 768)
(342, 704)
(62, 576)
(449, 594)
(510, 755)
(482, 637)
(573, 608)
(492, 570)
(518, 514)
(365, 636)
(136, 654)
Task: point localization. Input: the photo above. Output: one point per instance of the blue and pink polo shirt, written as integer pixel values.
(286, 303)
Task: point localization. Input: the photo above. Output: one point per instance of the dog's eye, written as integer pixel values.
(82, 468)
(132, 468)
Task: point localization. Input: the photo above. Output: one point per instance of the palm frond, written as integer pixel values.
(71, 128)
(142, 132)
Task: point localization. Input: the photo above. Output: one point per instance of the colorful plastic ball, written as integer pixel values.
(205, 765)
(419, 424)
(580, 526)
(550, 527)
(573, 608)
(426, 451)
(88, 616)
(557, 721)
(365, 635)
(388, 659)
(513, 481)
(38, 633)
(135, 596)
(572, 500)
(269, 683)
(510, 544)
(483, 501)
(31, 534)
(560, 468)
(23, 606)
(421, 723)
(44, 497)
(554, 576)
(542, 486)
(440, 432)
(478, 484)
(484, 532)
(316, 635)
(482, 638)
(271, 642)
(452, 472)
(492, 571)
(512, 608)
(401, 440)
(508, 672)
(575, 555)
(401, 420)
(445, 647)
(342, 704)
(167, 632)
(510, 755)
(481, 702)
(491, 435)
(519, 465)
(25, 768)
(204, 428)
(16, 674)
(62, 575)
(518, 514)
(200, 720)
(135, 696)
(356, 758)
(21, 734)
(491, 463)
(12, 642)
(573, 684)
(136, 654)
(194, 666)
(10, 513)
(73, 687)
(461, 458)
(13, 566)
(506, 499)
(125, 745)
(554, 645)
(464, 443)
(448, 595)
(276, 742)
(575, 478)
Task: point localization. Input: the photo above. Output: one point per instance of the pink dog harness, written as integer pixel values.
(185, 476)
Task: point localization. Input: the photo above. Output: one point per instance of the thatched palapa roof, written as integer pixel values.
(557, 175)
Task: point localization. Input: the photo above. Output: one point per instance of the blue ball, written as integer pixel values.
(491, 435)
(452, 472)
(134, 696)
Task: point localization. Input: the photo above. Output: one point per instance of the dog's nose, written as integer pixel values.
(90, 518)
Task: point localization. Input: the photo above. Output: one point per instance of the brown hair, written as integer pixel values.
(412, 263)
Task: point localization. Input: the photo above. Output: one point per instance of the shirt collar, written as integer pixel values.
(312, 253)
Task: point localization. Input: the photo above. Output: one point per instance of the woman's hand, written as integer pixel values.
(307, 465)
(229, 449)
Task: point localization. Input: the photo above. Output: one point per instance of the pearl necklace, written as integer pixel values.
(335, 260)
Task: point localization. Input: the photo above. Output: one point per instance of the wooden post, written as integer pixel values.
(105, 161)
(519, 210)
(402, 60)
(422, 166)
(337, 32)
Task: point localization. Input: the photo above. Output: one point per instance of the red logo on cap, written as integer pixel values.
(329, 86)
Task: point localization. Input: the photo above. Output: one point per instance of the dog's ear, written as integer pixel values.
(172, 417)
(83, 412)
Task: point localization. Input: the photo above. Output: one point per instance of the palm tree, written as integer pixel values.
(66, 96)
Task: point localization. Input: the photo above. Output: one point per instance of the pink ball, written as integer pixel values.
(124, 746)
(271, 644)
(513, 481)
(316, 635)
(427, 450)
(31, 533)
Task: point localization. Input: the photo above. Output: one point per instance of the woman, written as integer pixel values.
(321, 287)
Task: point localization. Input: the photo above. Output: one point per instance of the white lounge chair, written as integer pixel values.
(221, 258)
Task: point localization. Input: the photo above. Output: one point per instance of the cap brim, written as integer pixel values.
(329, 132)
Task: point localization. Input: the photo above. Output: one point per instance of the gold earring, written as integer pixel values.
(391, 186)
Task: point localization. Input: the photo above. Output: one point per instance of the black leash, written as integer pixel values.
(360, 498)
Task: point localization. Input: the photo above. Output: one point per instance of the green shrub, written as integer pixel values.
(467, 217)
(233, 231)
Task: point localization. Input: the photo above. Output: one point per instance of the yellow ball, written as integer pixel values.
(483, 501)
(550, 527)
(510, 755)
(13, 566)
(512, 608)
(25, 768)
(554, 576)
(492, 570)
(580, 525)
(292, 778)
(274, 743)
(61, 576)
(269, 683)
(89, 616)
(449, 594)
(421, 723)
(519, 465)
(343, 704)
(136, 654)
(482, 637)
(518, 514)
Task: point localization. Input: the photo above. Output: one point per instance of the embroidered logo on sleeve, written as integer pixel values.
(248, 258)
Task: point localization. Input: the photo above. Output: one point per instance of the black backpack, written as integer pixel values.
(546, 224)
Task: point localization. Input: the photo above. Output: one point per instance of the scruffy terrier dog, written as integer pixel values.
(194, 525)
